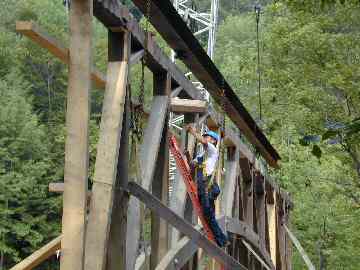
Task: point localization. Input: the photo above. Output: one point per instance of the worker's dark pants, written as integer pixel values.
(207, 201)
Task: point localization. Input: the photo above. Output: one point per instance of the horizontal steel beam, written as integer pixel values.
(175, 32)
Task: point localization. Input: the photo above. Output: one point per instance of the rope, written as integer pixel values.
(257, 13)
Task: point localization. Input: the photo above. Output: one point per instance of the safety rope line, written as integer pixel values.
(257, 13)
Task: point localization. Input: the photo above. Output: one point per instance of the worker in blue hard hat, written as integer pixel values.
(208, 188)
(210, 153)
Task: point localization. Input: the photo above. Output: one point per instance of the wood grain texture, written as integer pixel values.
(39, 256)
(105, 174)
(77, 136)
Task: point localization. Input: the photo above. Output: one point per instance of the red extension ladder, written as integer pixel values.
(183, 166)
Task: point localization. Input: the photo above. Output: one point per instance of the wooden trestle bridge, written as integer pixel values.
(101, 228)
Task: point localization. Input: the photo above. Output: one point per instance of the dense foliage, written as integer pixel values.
(310, 63)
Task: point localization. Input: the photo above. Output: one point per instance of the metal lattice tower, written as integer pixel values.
(203, 24)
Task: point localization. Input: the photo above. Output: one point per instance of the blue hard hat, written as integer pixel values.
(212, 134)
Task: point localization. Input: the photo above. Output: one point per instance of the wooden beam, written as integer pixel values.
(77, 136)
(260, 205)
(244, 230)
(198, 238)
(103, 189)
(179, 105)
(299, 247)
(152, 137)
(175, 92)
(133, 232)
(117, 244)
(39, 256)
(56, 48)
(178, 255)
(160, 183)
(179, 193)
(114, 14)
(272, 221)
(176, 33)
(232, 169)
(39, 36)
(56, 187)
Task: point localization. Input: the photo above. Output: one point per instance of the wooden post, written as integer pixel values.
(160, 183)
(259, 189)
(117, 245)
(179, 194)
(77, 137)
(101, 204)
(272, 221)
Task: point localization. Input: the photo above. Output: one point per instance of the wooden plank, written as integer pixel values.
(152, 137)
(39, 256)
(56, 48)
(56, 187)
(77, 136)
(39, 36)
(186, 228)
(136, 57)
(175, 92)
(299, 247)
(143, 260)
(105, 174)
(160, 183)
(232, 169)
(174, 30)
(117, 244)
(254, 253)
(133, 232)
(245, 231)
(179, 255)
(260, 206)
(281, 235)
(180, 105)
(272, 221)
(113, 14)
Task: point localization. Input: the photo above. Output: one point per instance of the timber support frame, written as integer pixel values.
(101, 227)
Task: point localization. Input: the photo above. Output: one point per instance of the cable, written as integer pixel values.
(257, 13)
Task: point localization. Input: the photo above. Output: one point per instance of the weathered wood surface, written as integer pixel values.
(39, 256)
(152, 137)
(133, 232)
(179, 194)
(56, 187)
(180, 105)
(77, 136)
(232, 171)
(256, 255)
(174, 30)
(242, 229)
(39, 36)
(299, 247)
(178, 255)
(56, 48)
(198, 238)
(272, 232)
(101, 205)
(160, 183)
(113, 14)
(117, 243)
